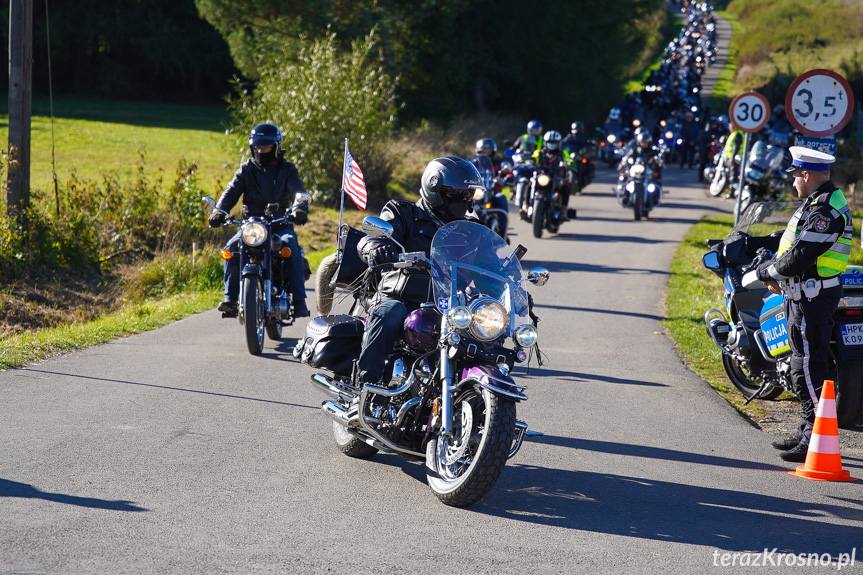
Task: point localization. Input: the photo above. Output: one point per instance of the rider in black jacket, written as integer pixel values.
(264, 179)
(446, 195)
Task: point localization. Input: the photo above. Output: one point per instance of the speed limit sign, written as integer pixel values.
(819, 103)
(749, 111)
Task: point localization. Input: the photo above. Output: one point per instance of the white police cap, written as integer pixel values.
(809, 159)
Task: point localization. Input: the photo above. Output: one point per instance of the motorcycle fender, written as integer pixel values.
(493, 379)
(253, 270)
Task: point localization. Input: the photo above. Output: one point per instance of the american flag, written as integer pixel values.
(353, 182)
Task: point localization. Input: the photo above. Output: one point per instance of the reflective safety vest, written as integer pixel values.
(732, 143)
(834, 261)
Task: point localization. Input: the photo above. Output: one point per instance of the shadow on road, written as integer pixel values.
(23, 490)
(542, 373)
(90, 378)
(557, 266)
(604, 311)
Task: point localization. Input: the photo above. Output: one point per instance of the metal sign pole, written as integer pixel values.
(743, 163)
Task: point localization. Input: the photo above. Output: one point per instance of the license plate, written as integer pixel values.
(852, 333)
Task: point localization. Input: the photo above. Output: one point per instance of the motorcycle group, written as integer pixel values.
(438, 314)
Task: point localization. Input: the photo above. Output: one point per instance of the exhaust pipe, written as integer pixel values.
(334, 388)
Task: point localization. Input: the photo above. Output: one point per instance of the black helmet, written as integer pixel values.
(485, 144)
(577, 127)
(265, 135)
(449, 179)
(551, 140)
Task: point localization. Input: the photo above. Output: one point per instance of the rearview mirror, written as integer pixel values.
(376, 227)
(711, 261)
(538, 276)
(208, 204)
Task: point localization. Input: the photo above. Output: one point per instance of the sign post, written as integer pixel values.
(749, 112)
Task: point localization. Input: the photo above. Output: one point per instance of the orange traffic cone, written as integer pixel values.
(823, 462)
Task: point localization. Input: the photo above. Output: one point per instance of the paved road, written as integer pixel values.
(175, 451)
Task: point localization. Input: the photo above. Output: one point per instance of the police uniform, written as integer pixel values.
(813, 252)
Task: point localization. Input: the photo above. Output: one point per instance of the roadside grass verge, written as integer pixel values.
(723, 90)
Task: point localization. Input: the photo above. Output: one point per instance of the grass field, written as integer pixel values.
(95, 136)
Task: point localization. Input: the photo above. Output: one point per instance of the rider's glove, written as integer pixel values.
(300, 217)
(384, 254)
(217, 219)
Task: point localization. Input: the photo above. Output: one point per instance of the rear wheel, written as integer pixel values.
(720, 181)
(350, 445)
(274, 329)
(849, 392)
(254, 312)
(538, 217)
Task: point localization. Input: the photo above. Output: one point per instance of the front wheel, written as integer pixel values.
(538, 217)
(719, 183)
(744, 382)
(638, 203)
(463, 469)
(849, 392)
(254, 314)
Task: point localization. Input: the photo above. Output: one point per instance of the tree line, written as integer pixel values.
(448, 57)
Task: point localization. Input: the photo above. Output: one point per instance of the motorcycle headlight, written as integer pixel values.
(459, 317)
(489, 319)
(525, 335)
(612, 138)
(254, 234)
(543, 180)
(669, 135)
(636, 170)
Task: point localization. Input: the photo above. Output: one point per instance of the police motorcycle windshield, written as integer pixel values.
(764, 218)
(468, 261)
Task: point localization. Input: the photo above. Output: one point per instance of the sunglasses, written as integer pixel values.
(458, 194)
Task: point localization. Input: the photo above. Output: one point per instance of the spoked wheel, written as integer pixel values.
(255, 312)
(350, 445)
(743, 381)
(463, 468)
(718, 184)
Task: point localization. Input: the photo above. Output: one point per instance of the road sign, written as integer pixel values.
(819, 103)
(749, 111)
(826, 145)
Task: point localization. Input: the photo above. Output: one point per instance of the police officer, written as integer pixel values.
(812, 254)
(446, 193)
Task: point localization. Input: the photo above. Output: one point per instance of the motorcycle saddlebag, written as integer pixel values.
(332, 342)
(351, 266)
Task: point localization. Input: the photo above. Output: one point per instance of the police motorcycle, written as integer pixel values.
(449, 397)
(265, 304)
(751, 332)
(639, 189)
(766, 178)
(494, 218)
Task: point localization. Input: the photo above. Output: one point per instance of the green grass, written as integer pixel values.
(94, 136)
(723, 90)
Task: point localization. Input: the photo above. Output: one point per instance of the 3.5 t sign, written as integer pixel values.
(819, 103)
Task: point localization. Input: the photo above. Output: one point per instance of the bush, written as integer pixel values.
(318, 100)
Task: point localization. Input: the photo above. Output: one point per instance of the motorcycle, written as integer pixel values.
(265, 288)
(545, 205)
(639, 190)
(752, 332)
(765, 178)
(448, 395)
(610, 145)
(490, 205)
(580, 165)
(523, 169)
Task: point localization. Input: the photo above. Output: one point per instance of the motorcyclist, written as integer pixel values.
(652, 156)
(264, 179)
(576, 140)
(488, 147)
(528, 141)
(689, 133)
(446, 189)
(733, 147)
(612, 122)
(552, 155)
(712, 131)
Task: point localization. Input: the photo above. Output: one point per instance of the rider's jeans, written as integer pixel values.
(232, 266)
(385, 324)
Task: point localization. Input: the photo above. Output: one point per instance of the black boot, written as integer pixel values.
(787, 443)
(797, 454)
(228, 308)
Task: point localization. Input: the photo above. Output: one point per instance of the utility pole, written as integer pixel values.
(20, 96)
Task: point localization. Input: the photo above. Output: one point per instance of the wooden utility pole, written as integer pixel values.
(20, 96)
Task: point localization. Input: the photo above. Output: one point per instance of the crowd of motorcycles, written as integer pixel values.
(449, 398)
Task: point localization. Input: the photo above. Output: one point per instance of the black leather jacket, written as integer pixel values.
(261, 186)
(413, 228)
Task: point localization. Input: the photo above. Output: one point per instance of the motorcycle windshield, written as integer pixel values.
(486, 169)
(468, 261)
(764, 218)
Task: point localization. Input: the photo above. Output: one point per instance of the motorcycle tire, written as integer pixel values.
(350, 445)
(462, 470)
(849, 392)
(255, 314)
(718, 185)
(538, 217)
(638, 205)
(743, 382)
(274, 330)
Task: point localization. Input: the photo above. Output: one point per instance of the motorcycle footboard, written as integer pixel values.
(517, 438)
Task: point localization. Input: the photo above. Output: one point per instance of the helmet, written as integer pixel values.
(614, 114)
(643, 137)
(445, 177)
(723, 119)
(485, 144)
(551, 140)
(534, 127)
(265, 135)
(639, 130)
(577, 127)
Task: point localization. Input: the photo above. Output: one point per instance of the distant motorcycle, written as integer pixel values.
(523, 168)
(265, 304)
(581, 165)
(490, 205)
(639, 191)
(765, 178)
(546, 211)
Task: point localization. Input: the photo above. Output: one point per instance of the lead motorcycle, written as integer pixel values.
(265, 304)
(448, 395)
(752, 332)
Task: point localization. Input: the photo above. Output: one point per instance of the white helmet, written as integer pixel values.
(614, 114)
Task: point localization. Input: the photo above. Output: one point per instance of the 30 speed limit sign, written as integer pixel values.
(749, 111)
(819, 103)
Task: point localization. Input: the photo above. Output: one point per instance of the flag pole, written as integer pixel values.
(342, 202)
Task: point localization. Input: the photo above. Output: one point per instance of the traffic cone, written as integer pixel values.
(823, 462)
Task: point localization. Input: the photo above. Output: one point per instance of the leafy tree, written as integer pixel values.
(318, 99)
